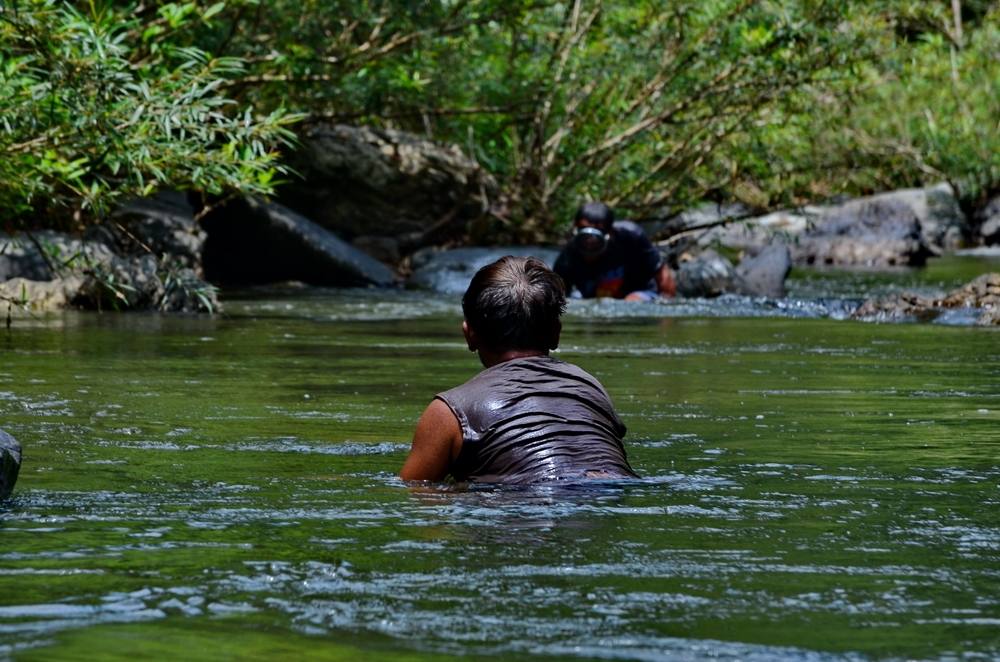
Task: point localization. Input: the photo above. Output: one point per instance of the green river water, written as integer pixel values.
(224, 488)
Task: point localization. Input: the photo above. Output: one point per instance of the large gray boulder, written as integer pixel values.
(10, 463)
(362, 182)
(450, 271)
(896, 228)
(943, 225)
(878, 233)
(251, 241)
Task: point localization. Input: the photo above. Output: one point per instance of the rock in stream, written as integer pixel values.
(10, 463)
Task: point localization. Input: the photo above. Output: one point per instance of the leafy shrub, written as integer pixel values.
(96, 105)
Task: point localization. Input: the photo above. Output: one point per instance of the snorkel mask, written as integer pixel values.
(590, 241)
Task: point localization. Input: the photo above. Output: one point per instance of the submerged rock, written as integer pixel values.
(10, 463)
(983, 292)
(708, 274)
(981, 296)
(253, 242)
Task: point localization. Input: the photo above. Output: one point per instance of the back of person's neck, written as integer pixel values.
(490, 358)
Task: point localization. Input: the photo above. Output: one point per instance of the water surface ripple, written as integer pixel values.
(812, 490)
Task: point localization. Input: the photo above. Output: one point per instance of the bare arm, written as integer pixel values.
(666, 281)
(436, 443)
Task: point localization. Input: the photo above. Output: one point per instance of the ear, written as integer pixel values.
(556, 331)
(470, 336)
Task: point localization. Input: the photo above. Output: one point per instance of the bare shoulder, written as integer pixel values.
(437, 415)
(437, 441)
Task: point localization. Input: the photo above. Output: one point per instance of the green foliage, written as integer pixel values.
(96, 105)
(924, 108)
(646, 104)
(933, 110)
(641, 103)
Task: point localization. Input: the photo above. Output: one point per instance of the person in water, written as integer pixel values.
(608, 258)
(527, 417)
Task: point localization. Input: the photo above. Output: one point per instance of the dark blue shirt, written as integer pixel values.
(627, 265)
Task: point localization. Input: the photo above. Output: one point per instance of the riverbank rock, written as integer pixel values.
(163, 224)
(40, 295)
(49, 270)
(144, 283)
(981, 297)
(10, 463)
(251, 242)
(363, 182)
(705, 275)
(450, 271)
(754, 234)
(764, 274)
(943, 225)
(47, 255)
(700, 216)
(876, 233)
(892, 229)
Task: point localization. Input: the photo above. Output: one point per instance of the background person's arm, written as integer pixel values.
(666, 281)
(436, 443)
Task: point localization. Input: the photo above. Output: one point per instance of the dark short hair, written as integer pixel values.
(515, 303)
(597, 213)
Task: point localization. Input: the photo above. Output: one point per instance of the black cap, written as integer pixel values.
(596, 213)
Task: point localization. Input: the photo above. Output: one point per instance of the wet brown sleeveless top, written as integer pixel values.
(534, 419)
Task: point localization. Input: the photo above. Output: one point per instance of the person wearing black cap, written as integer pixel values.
(608, 258)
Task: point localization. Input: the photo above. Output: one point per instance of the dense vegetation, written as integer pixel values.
(650, 105)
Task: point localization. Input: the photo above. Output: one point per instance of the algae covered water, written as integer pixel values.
(225, 488)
